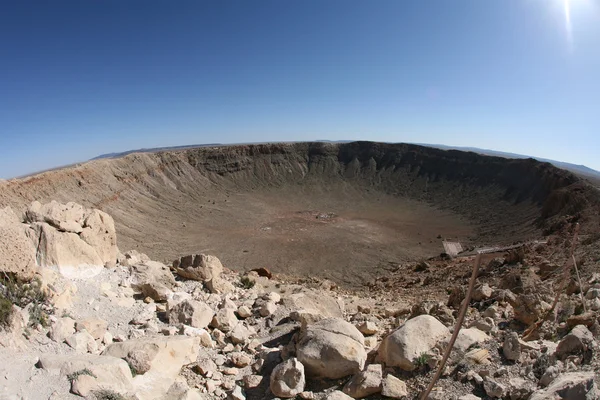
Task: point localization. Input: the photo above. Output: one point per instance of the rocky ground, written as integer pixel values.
(134, 328)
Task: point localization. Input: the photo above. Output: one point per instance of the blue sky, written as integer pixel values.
(82, 78)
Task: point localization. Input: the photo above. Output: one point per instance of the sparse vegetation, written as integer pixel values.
(24, 295)
(73, 377)
(422, 360)
(246, 282)
(107, 394)
(5, 310)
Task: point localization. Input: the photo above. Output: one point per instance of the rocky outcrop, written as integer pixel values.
(17, 252)
(76, 240)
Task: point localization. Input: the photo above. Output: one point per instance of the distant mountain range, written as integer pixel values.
(580, 170)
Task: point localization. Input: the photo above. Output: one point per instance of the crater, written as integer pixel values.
(340, 211)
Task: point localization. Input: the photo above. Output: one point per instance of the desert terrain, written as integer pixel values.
(300, 270)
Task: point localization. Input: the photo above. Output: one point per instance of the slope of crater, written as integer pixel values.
(341, 211)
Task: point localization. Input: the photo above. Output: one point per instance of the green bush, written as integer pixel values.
(73, 377)
(106, 394)
(12, 291)
(246, 282)
(5, 310)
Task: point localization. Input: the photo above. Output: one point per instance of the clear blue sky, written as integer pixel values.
(81, 78)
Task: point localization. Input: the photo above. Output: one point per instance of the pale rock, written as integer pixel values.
(579, 340)
(84, 385)
(371, 342)
(62, 329)
(338, 395)
(494, 389)
(551, 373)
(17, 251)
(367, 328)
(482, 292)
(205, 338)
(191, 312)
(486, 324)
(340, 342)
(252, 381)
(152, 279)
(132, 257)
(173, 353)
(147, 314)
(520, 389)
(595, 304)
(237, 394)
(469, 397)
(99, 232)
(478, 356)
(394, 388)
(467, 338)
(267, 309)
(224, 320)
(244, 312)
(107, 338)
(572, 386)
(287, 379)
(219, 285)
(240, 359)
(140, 359)
(110, 372)
(200, 267)
(417, 336)
(95, 326)
(314, 301)
(82, 342)
(239, 334)
(365, 383)
(512, 347)
(74, 258)
(307, 396)
(273, 296)
(230, 371)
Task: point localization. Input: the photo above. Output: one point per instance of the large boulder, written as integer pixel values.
(161, 358)
(200, 267)
(109, 373)
(331, 348)
(153, 280)
(73, 257)
(417, 336)
(572, 386)
(17, 253)
(70, 235)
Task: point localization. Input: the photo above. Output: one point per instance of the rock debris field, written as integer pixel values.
(81, 317)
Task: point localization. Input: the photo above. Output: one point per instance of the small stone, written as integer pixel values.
(244, 312)
(252, 381)
(365, 383)
(240, 359)
(267, 309)
(512, 347)
(394, 387)
(367, 328)
(287, 379)
(494, 389)
(237, 394)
